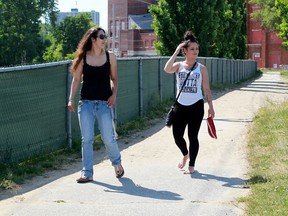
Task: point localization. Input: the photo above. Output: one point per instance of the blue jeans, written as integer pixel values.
(88, 110)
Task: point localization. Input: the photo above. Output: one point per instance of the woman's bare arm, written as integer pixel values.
(207, 90)
(171, 66)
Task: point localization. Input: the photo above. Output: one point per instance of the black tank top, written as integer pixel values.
(96, 81)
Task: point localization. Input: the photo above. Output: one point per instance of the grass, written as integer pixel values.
(284, 73)
(11, 175)
(268, 158)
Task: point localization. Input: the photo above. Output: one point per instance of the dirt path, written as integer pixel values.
(153, 185)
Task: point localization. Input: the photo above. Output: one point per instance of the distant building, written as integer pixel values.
(263, 45)
(95, 16)
(129, 27)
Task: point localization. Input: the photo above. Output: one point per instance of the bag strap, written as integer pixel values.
(185, 81)
(107, 56)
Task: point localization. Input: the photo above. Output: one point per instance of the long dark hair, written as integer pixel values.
(85, 45)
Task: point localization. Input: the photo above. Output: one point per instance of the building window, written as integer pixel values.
(274, 39)
(255, 8)
(256, 55)
(256, 36)
(117, 29)
(146, 44)
(152, 43)
(111, 29)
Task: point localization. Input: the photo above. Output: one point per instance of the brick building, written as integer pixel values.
(264, 46)
(129, 27)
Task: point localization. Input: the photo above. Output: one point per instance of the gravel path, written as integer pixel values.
(152, 184)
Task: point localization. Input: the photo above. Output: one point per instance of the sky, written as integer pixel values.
(100, 6)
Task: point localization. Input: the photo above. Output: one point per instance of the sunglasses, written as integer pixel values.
(102, 36)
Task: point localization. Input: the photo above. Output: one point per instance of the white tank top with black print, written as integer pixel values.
(192, 91)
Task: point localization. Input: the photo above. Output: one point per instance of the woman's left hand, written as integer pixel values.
(111, 101)
(211, 112)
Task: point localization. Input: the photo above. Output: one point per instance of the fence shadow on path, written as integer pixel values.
(232, 182)
(130, 188)
(99, 156)
(241, 120)
(269, 86)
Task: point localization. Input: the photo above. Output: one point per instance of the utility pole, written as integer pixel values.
(119, 37)
(113, 29)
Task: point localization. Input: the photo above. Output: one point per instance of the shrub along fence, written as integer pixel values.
(34, 119)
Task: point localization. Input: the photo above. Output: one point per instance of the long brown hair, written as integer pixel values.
(85, 45)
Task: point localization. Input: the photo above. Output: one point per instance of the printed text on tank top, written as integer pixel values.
(192, 91)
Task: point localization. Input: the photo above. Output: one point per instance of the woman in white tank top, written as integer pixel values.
(189, 108)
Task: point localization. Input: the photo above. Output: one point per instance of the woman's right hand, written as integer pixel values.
(71, 106)
(171, 66)
(179, 47)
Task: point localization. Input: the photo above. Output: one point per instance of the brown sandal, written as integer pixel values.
(84, 179)
(119, 171)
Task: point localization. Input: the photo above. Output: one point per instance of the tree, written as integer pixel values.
(173, 18)
(267, 16)
(282, 12)
(69, 33)
(234, 33)
(19, 29)
(273, 16)
(210, 20)
(50, 12)
(54, 51)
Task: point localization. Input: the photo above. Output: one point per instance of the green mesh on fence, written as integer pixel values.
(74, 118)
(150, 84)
(167, 82)
(32, 112)
(127, 104)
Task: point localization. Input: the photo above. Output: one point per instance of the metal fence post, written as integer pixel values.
(160, 79)
(140, 70)
(69, 120)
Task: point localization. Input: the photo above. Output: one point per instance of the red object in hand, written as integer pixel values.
(211, 127)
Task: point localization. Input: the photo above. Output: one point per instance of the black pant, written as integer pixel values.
(192, 116)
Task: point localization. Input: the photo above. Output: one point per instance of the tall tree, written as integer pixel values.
(173, 18)
(267, 15)
(234, 31)
(282, 12)
(66, 36)
(19, 29)
(208, 19)
(273, 16)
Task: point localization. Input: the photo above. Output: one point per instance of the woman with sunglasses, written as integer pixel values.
(97, 68)
(189, 108)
